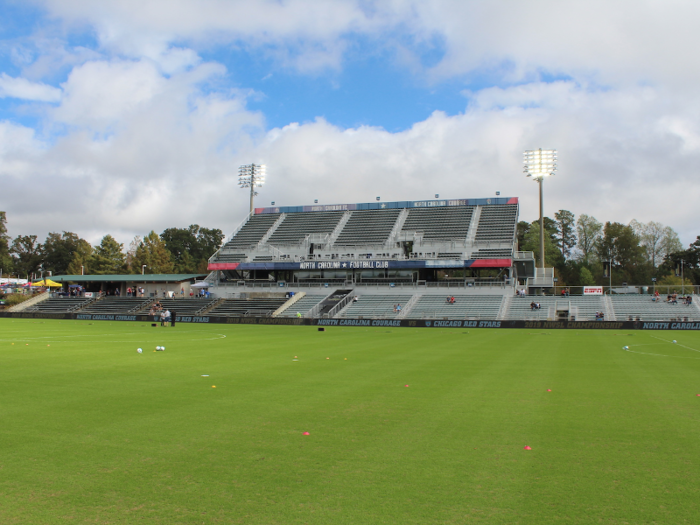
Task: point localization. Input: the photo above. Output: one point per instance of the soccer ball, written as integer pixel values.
(139, 350)
(625, 347)
(157, 347)
(675, 341)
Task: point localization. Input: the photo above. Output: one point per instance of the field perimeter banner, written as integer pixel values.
(592, 290)
(397, 323)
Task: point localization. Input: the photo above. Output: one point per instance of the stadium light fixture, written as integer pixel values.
(540, 163)
(251, 176)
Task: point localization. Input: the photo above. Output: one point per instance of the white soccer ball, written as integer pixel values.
(625, 347)
(675, 341)
(162, 348)
(139, 350)
(157, 347)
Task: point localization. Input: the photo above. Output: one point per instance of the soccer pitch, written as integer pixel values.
(416, 426)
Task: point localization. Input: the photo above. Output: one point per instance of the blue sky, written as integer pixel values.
(145, 109)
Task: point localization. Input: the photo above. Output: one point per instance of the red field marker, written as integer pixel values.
(527, 447)
(307, 433)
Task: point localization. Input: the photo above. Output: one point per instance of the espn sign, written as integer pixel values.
(592, 290)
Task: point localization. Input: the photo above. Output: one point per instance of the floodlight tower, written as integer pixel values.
(251, 176)
(540, 163)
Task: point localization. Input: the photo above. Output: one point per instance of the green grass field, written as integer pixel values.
(93, 432)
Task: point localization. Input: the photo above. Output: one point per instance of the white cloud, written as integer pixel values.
(17, 87)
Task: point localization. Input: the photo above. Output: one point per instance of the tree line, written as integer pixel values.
(587, 252)
(175, 250)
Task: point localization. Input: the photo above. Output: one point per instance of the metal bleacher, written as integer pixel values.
(497, 223)
(368, 227)
(464, 307)
(59, 305)
(303, 305)
(632, 307)
(585, 306)
(443, 223)
(116, 305)
(252, 231)
(185, 306)
(296, 226)
(497, 253)
(375, 306)
(259, 307)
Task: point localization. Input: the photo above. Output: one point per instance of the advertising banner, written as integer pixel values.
(592, 290)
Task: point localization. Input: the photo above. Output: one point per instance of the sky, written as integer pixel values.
(126, 116)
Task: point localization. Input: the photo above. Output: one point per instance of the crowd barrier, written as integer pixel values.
(398, 323)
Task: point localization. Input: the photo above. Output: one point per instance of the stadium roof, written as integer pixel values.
(130, 278)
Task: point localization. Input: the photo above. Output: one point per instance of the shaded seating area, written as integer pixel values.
(116, 305)
(367, 227)
(497, 223)
(262, 307)
(58, 305)
(296, 226)
(182, 306)
(440, 223)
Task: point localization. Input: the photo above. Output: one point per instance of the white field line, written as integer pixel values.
(664, 355)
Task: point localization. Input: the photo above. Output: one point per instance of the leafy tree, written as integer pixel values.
(6, 262)
(153, 253)
(82, 259)
(522, 229)
(588, 231)
(59, 250)
(27, 254)
(586, 277)
(620, 245)
(689, 259)
(191, 246)
(552, 255)
(566, 234)
(131, 253)
(657, 240)
(108, 257)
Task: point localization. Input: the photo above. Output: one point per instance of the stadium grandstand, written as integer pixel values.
(435, 259)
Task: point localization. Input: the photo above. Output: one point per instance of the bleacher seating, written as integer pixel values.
(375, 306)
(497, 223)
(587, 306)
(252, 231)
(440, 223)
(116, 305)
(303, 305)
(57, 305)
(258, 307)
(498, 253)
(628, 307)
(464, 307)
(368, 227)
(296, 226)
(183, 306)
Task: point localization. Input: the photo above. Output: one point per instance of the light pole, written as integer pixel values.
(540, 163)
(143, 269)
(251, 176)
(82, 270)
